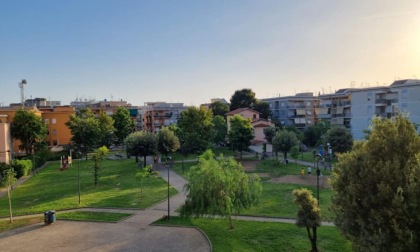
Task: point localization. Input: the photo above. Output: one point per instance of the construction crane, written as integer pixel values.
(22, 95)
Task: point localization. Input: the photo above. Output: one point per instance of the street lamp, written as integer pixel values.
(168, 165)
(329, 154)
(318, 172)
(79, 155)
(182, 153)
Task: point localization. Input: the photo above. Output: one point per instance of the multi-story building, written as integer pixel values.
(156, 115)
(55, 119)
(352, 108)
(5, 140)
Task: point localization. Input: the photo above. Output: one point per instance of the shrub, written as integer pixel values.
(22, 167)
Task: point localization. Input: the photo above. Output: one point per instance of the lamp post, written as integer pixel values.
(168, 165)
(329, 155)
(182, 154)
(79, 155)
(318, 172)
(33, 160)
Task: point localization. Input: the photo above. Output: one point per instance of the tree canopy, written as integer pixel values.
(220, 130)
(376, 189)
(106, 130)
(269, 133)
(196, 127)
(29, 129)
(168, 141)
(123, 124)
(143, 144)
(283, 141)
(219, 108)
(219, 187)
(240, 134)
(244, 98)
(264, 109)
(340, 139)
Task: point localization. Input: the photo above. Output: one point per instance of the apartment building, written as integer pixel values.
(5, 140)
(55, 119)
(352, 108)
(156, 115)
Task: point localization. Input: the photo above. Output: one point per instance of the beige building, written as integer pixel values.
(5, 140)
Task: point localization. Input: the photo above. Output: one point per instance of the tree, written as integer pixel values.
(269, 133)
(219, 108)
(123, 124)
(29, 129)
(340, 139)
(220, 130)
(144, 172)
(142, 144)
(284, 141)
(85, 130)
(244, 98)
(98, 156)
(294, 152)
(376, 189)
(106, 130)
(8, 180)
(219, 187)
(168, 142)
(264, 109)
(196, 127)
(309, 214)
(311, 135)
(240, 134)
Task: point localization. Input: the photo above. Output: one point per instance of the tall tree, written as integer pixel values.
(340, 139)
(143, 144)
(197, 128)
(309, 214)
(98, 156)
(264, 109)
(106, 130)
(8, 180)
(284, 141)
(269, 133)
(85, 130)
(123, 124)
(29, 129)
(219, 187)
(219, 108)
(220, 129)
(168, 141)
(244, 98)
(376, 189)
(240, 134)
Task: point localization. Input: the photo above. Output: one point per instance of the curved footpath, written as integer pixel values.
(132, 234)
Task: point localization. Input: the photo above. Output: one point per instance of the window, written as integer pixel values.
(282, 104)
(54, 132)
(369, 96)
(369, 109)
(308, 104)
(54, 121)
(47, 121)
(405, 93)
(404, 108)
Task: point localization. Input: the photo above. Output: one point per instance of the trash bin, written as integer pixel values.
(49, 217)
(52, 216)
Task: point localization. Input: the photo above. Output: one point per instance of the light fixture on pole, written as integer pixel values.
(168, 165)
(79, 155)
(318, 172)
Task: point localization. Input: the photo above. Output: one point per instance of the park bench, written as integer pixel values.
(118, 155)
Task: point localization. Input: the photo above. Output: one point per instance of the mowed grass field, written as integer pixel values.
(54, 189)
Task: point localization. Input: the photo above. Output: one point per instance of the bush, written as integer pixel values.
(3, 167)
(22, 167)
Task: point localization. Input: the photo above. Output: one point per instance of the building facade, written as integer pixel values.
(156, 115)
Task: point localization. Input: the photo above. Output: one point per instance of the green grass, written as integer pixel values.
(277, 201)
(58, 190)
(263, 236)
(177, 156)
(6, 225)
(93, 216)
(277, 169)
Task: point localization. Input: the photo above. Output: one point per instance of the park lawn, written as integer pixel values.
(277, 169)
(263, 236)
(177, 156)
(58, 190)
(6, 225)
(93, 216)
(276, 200)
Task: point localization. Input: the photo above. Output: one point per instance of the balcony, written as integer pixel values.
(381, 102)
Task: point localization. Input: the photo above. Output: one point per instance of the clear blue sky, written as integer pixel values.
(192, 51)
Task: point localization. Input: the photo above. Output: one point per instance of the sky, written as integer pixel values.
(192, 51)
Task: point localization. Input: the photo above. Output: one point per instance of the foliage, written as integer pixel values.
(244, 98)
(8, 180)
(220, 129)
(85, 130)
(309, 214)
(106, 130)
(98, 157)
(264, 109)
(142, 144)
(219, 187)
(123, 124)
(295, 130)
(294, 152)
(240, 134)
(269, 133)
(340, 139)
(196, 127)
(168, 141)
(284, 141)
(376, 188)
(255, 236)
(29, 129)
(21, 167)
(219, 108)
(146, 171)
(55, 189)
(312, 134)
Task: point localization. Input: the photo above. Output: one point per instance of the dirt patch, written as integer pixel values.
(302, 180)
(248, 165)
(264, 175)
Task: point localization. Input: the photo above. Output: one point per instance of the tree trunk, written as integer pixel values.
(312, 238)
(10, 202)
(230, 221)
(144, 161)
